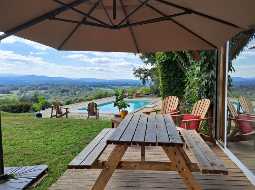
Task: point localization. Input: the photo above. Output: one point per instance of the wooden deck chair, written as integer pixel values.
(246, 105)
(57, 111)
(93, 110)
(244, 125)
(169, 106)
(194, 119)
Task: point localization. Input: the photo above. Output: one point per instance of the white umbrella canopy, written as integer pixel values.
(127, 25)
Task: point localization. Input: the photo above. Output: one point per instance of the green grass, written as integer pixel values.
(55, 142)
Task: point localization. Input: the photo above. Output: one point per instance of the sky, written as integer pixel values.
(24, 57)
(244, 64)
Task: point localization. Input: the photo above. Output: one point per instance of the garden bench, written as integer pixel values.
(93, 150)
(207, 161)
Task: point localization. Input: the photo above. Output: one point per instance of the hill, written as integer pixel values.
(242, 81)
(17, 80)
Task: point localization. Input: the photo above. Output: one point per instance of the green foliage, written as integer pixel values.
(119, 99)
(171, 74)
(40, 104)
(145, 90)
(149, 75)
(200, 78)
(16, 107)
(97, 94)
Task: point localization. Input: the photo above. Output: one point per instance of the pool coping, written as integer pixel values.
(150, 100)
(74, 113)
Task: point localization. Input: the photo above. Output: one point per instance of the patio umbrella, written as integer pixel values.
(127, 26)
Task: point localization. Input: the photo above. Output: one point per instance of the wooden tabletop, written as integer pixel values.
(146, 130)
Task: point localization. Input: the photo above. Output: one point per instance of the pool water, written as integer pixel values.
(134, 105)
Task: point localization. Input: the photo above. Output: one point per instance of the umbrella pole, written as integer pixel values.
(1, 150)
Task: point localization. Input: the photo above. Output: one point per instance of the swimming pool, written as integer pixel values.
(134, 105)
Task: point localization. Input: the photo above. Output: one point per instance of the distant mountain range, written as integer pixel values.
(241, 81)
(39, 80)
(42, 80)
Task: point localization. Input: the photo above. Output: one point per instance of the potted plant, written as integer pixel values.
(41, 103)
(120, 102)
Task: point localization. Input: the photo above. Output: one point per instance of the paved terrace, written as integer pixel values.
(76, 113)
(83, 179)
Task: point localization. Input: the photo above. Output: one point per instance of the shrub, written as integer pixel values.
(19, 107)
(145, 90)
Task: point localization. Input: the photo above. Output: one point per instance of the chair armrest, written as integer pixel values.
(175, 112)
(247, 120)
(250, 115)
(178, 115)
(202, 119)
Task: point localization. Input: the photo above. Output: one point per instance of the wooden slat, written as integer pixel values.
(162, 135)
(82, 156)
(128, 134)
(151, 132)
(141, 129)
(173, 134)
(93, 156)
(121, 129)
(208, 162)
(176, 155)
(83, 179)
(112, 163)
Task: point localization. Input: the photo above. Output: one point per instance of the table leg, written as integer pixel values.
(177, 156)
(142, 153)
(111, 165)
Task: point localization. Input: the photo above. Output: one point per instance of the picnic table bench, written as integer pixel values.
(153, 130)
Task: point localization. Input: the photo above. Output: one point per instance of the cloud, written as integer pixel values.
(35, 45)
(17, 58)
(15, 63)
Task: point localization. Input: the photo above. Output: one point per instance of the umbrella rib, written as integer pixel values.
(154, 20)
(133, 11)
(85, 23)
(40, 19)
(114, 7)
(81, 12)
(130, 27)
(181, 25)
(79, 24)
(108, 16)
(200, 14)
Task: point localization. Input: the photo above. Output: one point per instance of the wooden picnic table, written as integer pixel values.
(157, 130)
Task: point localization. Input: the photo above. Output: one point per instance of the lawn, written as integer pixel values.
(55, 142)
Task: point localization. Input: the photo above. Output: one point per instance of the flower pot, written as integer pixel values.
(123, 113)
(38, 115)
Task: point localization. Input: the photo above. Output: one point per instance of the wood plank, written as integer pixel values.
(208, 162)
(151, 132)
(112, 163)
(83, 179)
(121, 129)
(97, 151)
(25, 176)
(145, 165)
(128, 134)
(162, 135)
(176, 155)
(141, 129)
(173, 134)
(87, 150)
